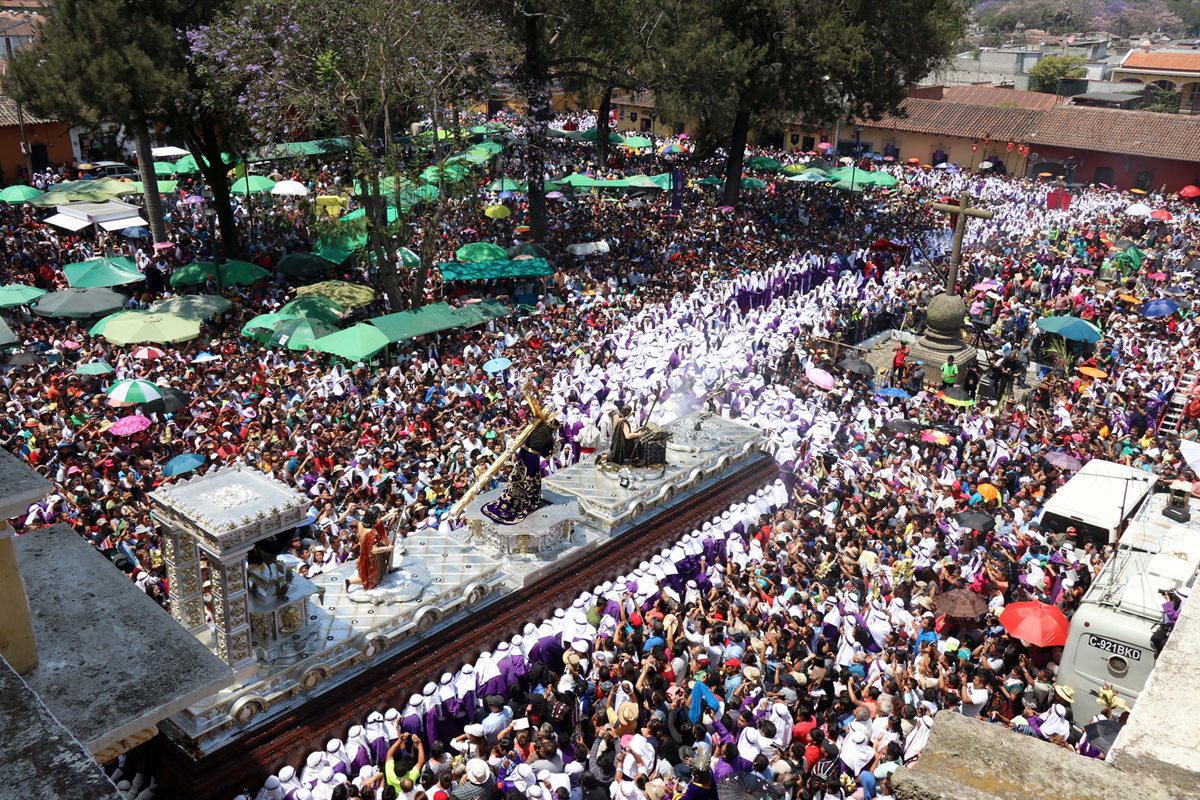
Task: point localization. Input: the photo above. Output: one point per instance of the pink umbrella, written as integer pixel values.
(127, 426)
(823, 146)
(70, 344)
(1082, 270)
(1157, 276)
(984, 285)
(163, 245)
(819, 378)
(725, 209)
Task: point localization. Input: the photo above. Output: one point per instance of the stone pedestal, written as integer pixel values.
(943, 337)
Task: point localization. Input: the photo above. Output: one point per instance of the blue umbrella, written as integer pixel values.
(1162, 307)
(136, 232)
(1070, 327)
(894, 391)
(182, 464)
(496, 365)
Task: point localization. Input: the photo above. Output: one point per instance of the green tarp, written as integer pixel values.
(418, 322)
(315, 147)
(494, 270)
(437, 317)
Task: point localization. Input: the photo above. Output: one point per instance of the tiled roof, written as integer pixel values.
(998, 97)
(940, 118)
(8, 113)
(1170, 136)
(1162, 60)
(1147, 133)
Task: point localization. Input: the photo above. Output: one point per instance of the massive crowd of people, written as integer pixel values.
(794, 643)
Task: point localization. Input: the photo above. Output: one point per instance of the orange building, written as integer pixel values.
(50, 142)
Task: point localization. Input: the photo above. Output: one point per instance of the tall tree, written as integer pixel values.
(767, 61)
(1046, 75)
(106, 61)
(597, 43)
(363, 70)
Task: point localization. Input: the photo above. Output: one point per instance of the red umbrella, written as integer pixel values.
(1161, 214)
(1036, 623)
(1190, 191)
(147, 353)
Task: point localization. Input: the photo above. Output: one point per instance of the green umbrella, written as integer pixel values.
(491, 148)
(164, 169)
(137, 327)
(451, 173)
(711, 180)
(302, 265)
(233, 273)
(506, 185)
(763, 163)
(7, 337)
(79, 303)
(100, 272)
(353, 344)
(19, 194)
(815, 176)
(18, 294)
(98, 328)
(314, 307)
(481, 251)
(194, 306)
(848, 184)
(792, 169)
(529, 249)
(188, 166)
(94, 368)
(592, 134)
(298, 334)
(638, 142)
(252, 184)
(263, 325)
(408, 258)
(753, 183)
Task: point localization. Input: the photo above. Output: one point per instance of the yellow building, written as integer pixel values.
(636, 114)
(1169, 70)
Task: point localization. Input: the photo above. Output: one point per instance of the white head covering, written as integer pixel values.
(429, 698)
(465, 682)
(1054, 722)
(391, 722)
(485, 668)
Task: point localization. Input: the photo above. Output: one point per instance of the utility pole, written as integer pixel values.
(25, 149)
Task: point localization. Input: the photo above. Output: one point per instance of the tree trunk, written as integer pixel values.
(205, 145)
(154, 210)
(602, 115)
(375, 205)
(737, 152)
(538, 100)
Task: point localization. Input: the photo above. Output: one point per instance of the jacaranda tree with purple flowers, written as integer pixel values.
(367, 70)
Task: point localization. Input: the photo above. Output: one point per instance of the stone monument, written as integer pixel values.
(946, 314)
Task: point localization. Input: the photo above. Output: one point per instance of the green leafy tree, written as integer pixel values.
(734, 64)
(1046, 74)
(582, 43)
(1164, 101)
(364, 70)
(106, 61)
(125, 61)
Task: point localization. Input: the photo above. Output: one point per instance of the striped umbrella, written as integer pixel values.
(132, 392)
(147, 353)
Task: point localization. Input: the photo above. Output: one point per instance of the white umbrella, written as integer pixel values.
(290, 189)
(986, 165)
(1138, 210)
(1191, 454)
(167, 152)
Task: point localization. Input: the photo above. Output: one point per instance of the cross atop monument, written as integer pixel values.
(960, 213)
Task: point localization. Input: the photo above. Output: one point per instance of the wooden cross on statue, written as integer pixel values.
(540, 414)
(960, 213)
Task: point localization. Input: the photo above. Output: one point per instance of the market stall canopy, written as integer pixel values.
(233, 273)
(18, 294)
(7, 337)
(417, 322)
(495, 269)
(353, 344)
(483, 311)
(313, 147)
(312, 307)
(169, 151)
